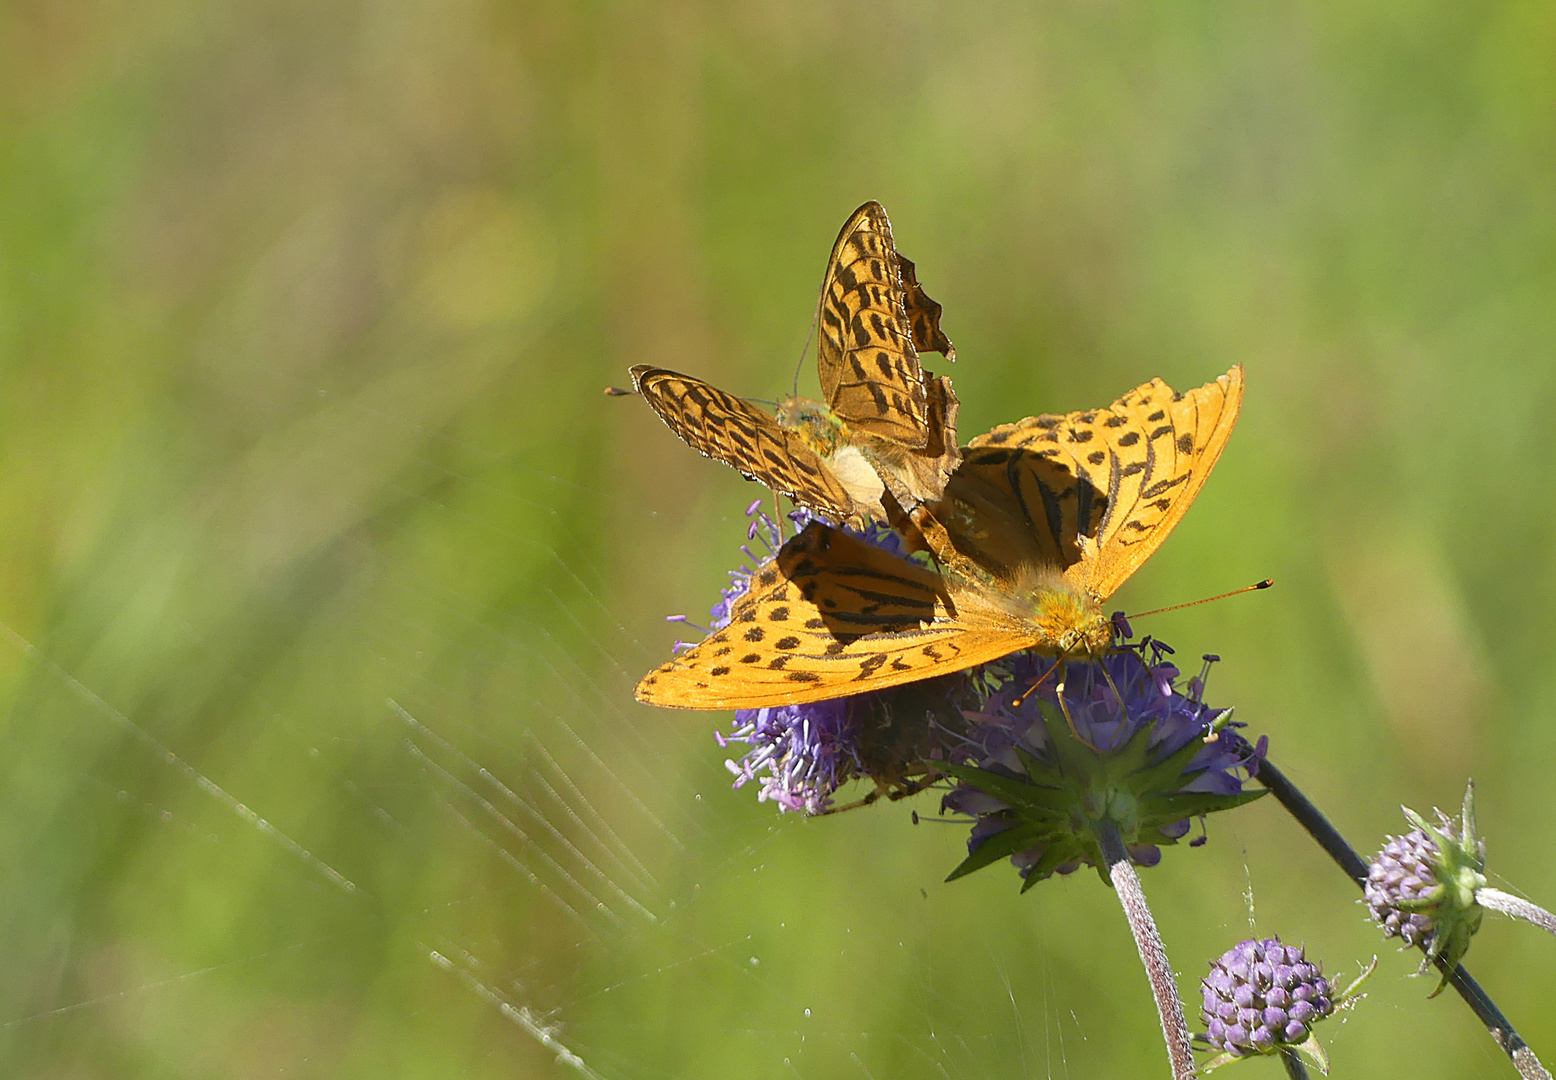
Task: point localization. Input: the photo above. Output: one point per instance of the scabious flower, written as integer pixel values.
(1114, 739)
(1263, 997)
(1422, 886)
(1261, 994)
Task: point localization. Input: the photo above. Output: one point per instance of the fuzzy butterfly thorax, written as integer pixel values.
(847, 456)
(882, 412)
(822, 430)
(1059, 617)
(1041, 523)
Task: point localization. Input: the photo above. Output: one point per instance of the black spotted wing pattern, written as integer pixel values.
(827, 617)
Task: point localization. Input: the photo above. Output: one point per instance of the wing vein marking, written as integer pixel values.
(1013, 474)
(1054, 512)
(1115, 486)
(1084, 489)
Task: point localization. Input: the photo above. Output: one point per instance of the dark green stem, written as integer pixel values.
(1329, 838)
(1294, 1067)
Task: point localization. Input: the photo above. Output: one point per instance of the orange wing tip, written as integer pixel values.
(656, 689)
(650, 693)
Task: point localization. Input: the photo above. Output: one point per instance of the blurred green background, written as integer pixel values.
(326, 570)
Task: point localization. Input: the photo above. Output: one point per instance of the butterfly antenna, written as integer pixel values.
(616, 391)
(815, 321)
(778, 518)
(1265, 584)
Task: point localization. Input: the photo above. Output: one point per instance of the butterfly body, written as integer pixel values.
(1040, 524)
(883, 414)
(846, 455)
(823, 430)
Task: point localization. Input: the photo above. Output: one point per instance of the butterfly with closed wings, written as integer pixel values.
(884, 440)
(1041, 523)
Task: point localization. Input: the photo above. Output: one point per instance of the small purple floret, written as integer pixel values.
(799, 754)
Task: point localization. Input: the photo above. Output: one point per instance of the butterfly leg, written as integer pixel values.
(906, 791)
(904, 522)
(1068, 719)
(933, 534)
(1122, 706)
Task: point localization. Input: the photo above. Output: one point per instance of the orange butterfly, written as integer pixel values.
(884, 440)
(1042, 522)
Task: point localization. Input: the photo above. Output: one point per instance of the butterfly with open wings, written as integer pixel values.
(1042, 522)
(884, 440)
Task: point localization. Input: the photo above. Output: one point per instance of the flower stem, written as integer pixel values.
(1328, 837)
(1153, 954)
(1517, 907)
(1294, 1067)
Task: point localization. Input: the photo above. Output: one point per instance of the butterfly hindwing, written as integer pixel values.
(726, 428)
(923, 313)
(1008, 508)
(829, 616)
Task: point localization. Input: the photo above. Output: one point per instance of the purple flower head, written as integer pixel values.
(1422, 886)
(1402, 873)
(1054, 746)
(1264, 997)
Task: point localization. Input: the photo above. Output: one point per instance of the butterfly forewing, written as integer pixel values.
(830, 616)
(723, 427)
(870, 371)
(1113, 482)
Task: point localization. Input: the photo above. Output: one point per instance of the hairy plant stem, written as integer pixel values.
(1294, 1067)
(1153, 954)
(1517, 907)
(1328, 837)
